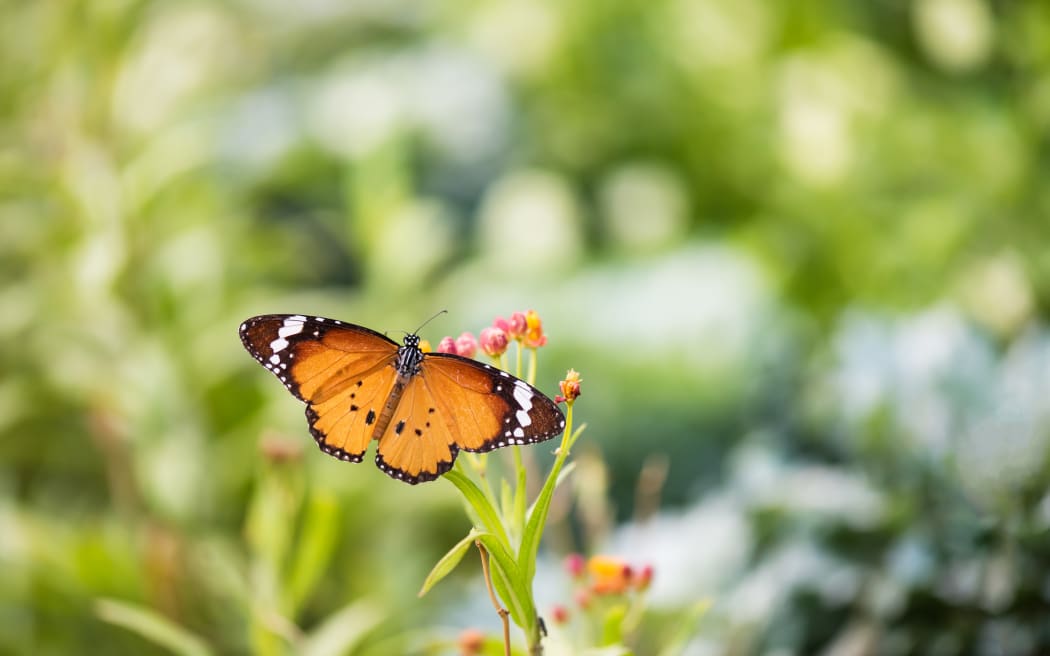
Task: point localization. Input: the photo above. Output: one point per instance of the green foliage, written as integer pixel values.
(794, 243)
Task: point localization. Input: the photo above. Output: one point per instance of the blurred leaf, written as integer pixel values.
(152, 626)
(448, 562)
(341, 631)
(314, 550)
(612, 625)
(686, 628)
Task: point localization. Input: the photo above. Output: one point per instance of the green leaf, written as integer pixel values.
(320, 526)
(448, 562)
(152, 626)
(479, 503)
(506, 577)
(506, 500)
(612, 625)
(530, 540)
(341, 631)
(519, 496)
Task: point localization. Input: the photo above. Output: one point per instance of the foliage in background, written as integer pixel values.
(799, 250)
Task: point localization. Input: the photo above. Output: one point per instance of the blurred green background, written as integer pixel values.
(798, 251)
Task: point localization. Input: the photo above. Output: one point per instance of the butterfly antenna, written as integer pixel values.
(416, 331)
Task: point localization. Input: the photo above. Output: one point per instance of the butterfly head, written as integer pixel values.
(409, 356)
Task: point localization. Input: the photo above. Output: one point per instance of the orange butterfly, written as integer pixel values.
(359, 385)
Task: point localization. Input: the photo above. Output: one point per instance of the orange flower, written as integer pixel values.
(534, 337)
(471, 642)
(424, 345)
(610, 575)
(570, 387)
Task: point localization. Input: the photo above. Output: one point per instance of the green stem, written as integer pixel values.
(532, 367)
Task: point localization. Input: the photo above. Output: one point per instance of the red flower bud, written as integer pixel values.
(643, 577)
(493, 341)
(560, 614)
(447, 345)
(466, 345)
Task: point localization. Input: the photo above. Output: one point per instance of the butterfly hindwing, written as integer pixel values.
(417, 445)
(342, 371)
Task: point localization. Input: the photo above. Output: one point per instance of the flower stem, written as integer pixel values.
(500, 610)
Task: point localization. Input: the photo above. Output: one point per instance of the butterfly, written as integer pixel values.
(359, 385)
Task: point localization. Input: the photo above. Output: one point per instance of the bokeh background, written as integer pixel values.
(798, 251)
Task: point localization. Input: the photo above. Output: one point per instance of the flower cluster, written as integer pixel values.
(525, 328)
(601, 577)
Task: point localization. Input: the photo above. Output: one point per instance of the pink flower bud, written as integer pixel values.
(517, 326)
(466, 345)
(575, 564)
(502, 324)
(583, 598)
(643, 577)
(447, 345)
(493, 341)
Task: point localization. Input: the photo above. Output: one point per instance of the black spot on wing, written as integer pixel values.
(322, 443)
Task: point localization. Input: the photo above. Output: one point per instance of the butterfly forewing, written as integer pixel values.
(487, 408)
(342, 371)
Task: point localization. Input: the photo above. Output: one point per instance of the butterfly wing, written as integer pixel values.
(456, 403)
(343, 373)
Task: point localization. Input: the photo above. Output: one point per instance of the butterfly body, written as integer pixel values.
(422, 408)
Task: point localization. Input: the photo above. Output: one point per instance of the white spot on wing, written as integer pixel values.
(519, 432)
(523, 418)
(523, 395)
(278, 344)
(275, 358)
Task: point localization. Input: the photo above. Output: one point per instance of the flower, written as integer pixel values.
(610, 575)
(642, 578)
(575, 564)
(534, 337)
(583, 598)
(560, 614)
(466, 345)
(424, 345)
(517, 326)
(502, 324)
(471, 641)
(279, 450)
(494, 341)
(570, 387)
(447, 345)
